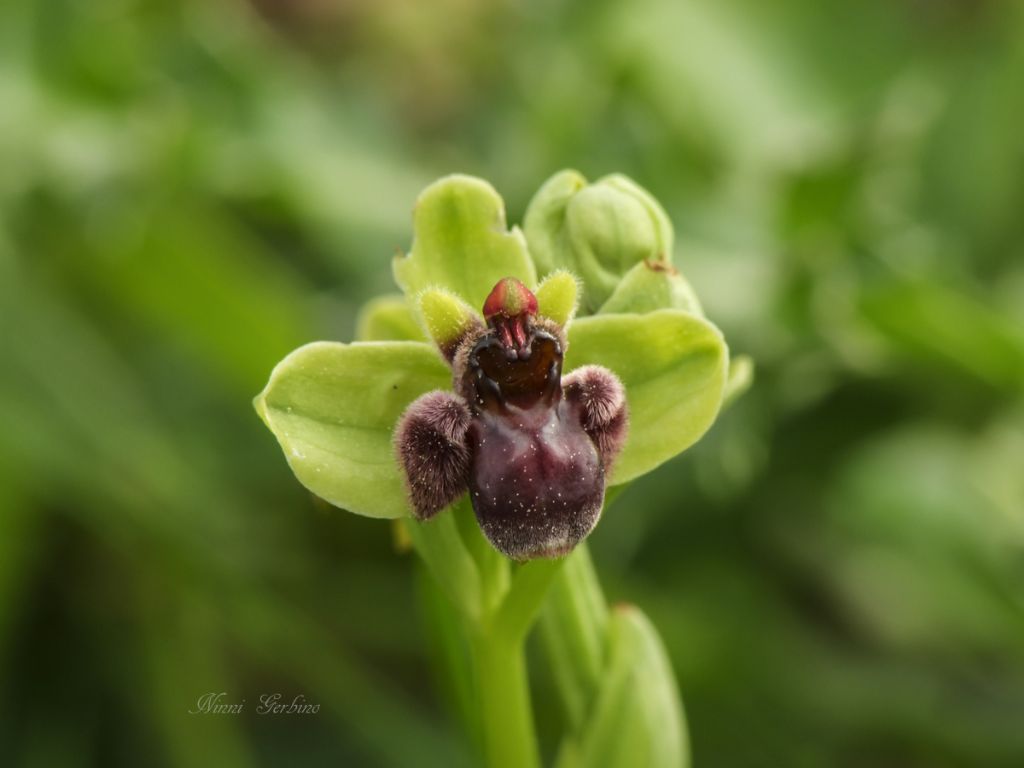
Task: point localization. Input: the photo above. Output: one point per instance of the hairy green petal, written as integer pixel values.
(558, 296)
(673, 365)
(461, 242)
(333, 408)
(445, 315)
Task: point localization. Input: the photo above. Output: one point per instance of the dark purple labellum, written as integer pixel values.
(536, 480)
(533, 448)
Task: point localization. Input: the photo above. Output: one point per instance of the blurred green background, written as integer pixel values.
(188, 190)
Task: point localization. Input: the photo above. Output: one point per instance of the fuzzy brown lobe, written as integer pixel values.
(532, 448)
(602, 403)
(431, 444)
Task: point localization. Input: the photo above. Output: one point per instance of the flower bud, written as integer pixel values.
(598, 231)
(652, 285)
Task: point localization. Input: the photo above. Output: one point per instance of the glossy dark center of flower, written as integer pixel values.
(512, 374)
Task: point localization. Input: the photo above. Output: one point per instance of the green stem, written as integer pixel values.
(505, 710)
(491, 565)
(524, 598)
(573, 629)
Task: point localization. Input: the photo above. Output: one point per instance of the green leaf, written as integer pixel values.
(461, 242)
(949, 329)
(638, 717)
(673, 365)
(448, 644)
(388, 318)
(333, 408)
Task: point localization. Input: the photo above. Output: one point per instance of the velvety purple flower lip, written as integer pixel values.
(532, 447)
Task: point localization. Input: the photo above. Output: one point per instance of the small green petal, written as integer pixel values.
(557, 296)
(652, 285)
(445, 316)
(673, 365)
(333, 408)
(461, 242)
(388, 318)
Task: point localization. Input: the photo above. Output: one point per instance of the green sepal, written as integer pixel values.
(673, 365)
(461, 242)
(388, 318)
(333, 408)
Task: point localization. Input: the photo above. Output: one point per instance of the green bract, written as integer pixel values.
(637, 718)
(333, 407)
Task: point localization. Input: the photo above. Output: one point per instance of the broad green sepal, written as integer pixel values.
(557, 296)
(638, 717)
(673, 365)
(388, 318)
(333, 408)
(652, 285)
(446, 316)
(598, 231)
(461, 242)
